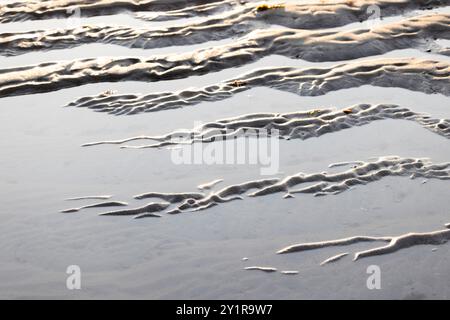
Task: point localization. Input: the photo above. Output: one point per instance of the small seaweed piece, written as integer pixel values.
(347, 111)
(238, 83)
(265, 7)
(262, 7)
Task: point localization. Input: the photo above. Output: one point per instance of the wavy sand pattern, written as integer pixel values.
(258, 30)
(318, 184)
(409, 73)
(337, 46)
(307, 44)
(37, 9)
(342, 12)
(293, 125)
(295, 15)
(192, 11)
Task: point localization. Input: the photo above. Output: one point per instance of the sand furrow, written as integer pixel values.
(293, 125)
(347, 45)
(226, 26)
(395, 243)
(413, 74)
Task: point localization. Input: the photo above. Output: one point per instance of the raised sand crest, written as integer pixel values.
(411, 33)
(318, 184)
(22, 10)
(395, 243)
(239, 23)
(413, 74)
(97, 205)
(293, 125)
(332, 12)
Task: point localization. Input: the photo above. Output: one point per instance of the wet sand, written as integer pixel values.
(364, 159)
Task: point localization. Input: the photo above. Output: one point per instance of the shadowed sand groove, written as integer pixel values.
(97, 205)
(408, 73)
(319, 184)
(294, 125)
(148, 210)
(304, 43)
(37, 9)
(395, 243)
(328, 47)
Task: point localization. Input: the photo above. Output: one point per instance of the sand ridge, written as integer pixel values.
(192, 11)
(96, 205)
(296, 15)
(293, 125)
(339, 46)
(318, 184)
(147, 210)
(231, 25)
(395, 243)
(338, 10)
(170, 197)
(101, 197)
(409, 73)
(36, 9)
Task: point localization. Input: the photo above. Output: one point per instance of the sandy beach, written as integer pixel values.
(357, 111)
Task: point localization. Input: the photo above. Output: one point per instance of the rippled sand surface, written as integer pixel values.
(91, 95)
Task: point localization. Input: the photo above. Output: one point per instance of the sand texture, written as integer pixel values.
(96, 97)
